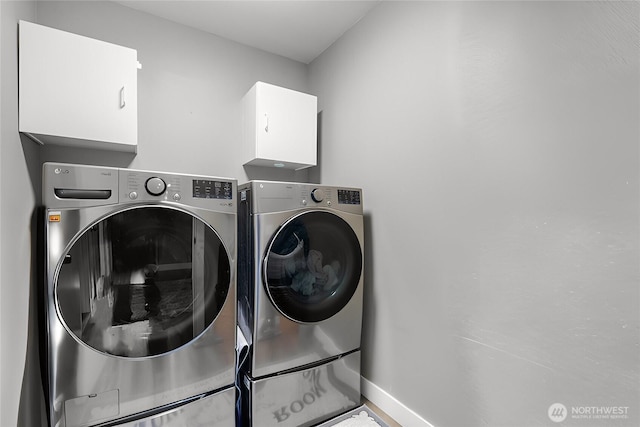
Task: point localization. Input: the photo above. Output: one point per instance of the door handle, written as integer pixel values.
(123, 101)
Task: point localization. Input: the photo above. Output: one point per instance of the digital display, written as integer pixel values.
(206, 189)
(349, 197)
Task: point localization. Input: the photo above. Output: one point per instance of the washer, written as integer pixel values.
(140, 296)
(299, 301)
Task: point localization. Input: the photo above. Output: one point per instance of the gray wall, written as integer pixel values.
(189, 93)
(497, 144)
(16, 245)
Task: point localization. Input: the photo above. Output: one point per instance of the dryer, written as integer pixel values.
(299, 301)
(140, 294)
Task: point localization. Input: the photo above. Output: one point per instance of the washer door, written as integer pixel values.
(142, 282)
(312, 266)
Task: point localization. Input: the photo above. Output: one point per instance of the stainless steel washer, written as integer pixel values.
(299, 301)
(140, 296)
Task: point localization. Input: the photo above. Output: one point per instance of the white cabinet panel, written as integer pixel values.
(280, 127)
(75, 90)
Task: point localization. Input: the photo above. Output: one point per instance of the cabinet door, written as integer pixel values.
(75, 90)
(283, 128)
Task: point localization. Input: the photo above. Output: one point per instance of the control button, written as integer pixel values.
(176, 197)
(133, 195)
(317, 194)
(304, 202)
(155, 186)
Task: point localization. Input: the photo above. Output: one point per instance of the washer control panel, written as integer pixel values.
(67, 185)
(211, 189)
(155, 186)
(206, 192)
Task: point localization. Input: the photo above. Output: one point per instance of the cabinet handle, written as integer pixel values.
(122, 98)
(266, 126)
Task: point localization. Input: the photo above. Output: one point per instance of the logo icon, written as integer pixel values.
(557, 412)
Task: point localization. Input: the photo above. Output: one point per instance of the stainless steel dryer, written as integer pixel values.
(300, 301)
(140, 297)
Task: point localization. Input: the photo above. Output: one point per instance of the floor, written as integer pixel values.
(386, 418)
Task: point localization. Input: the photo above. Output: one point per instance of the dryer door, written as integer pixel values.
(312, 266)
(142, 282)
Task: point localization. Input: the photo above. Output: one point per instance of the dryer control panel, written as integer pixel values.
(349, 197)
(270, 196)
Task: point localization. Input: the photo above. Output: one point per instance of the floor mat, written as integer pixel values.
(362, 416)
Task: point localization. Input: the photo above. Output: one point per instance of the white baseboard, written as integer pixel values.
(391, 406)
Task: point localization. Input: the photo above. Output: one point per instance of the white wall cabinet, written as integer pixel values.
(280, 127)
(74, 90)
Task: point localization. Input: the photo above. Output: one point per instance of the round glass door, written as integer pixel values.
(312, 266)
(143, 282)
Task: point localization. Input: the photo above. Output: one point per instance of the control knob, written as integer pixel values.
(317, 194)
(155, 186)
